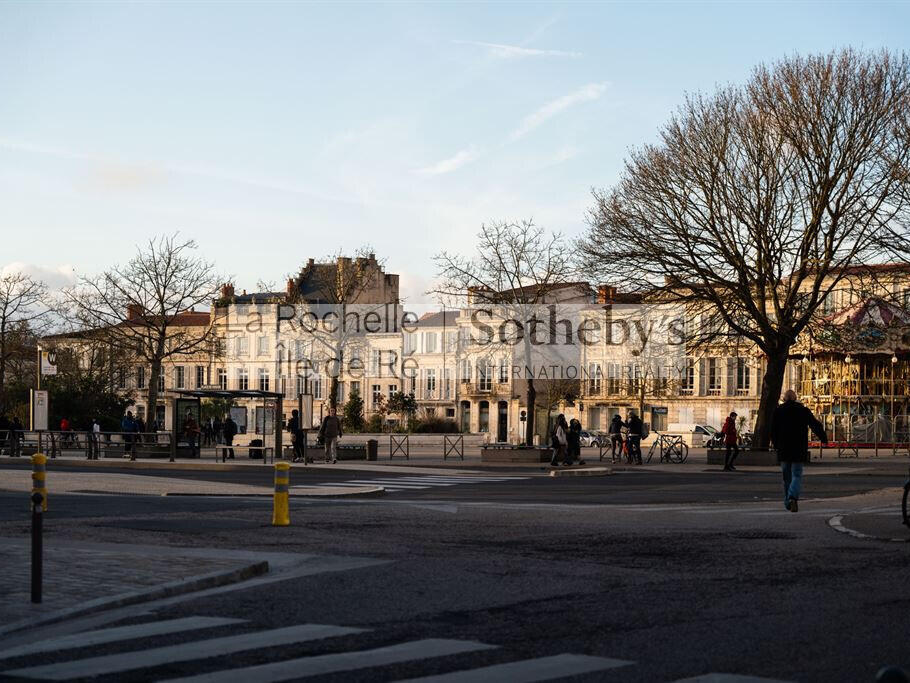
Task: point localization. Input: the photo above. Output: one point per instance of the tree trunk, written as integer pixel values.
(530, 400)
(771, 387)
(333, 392)
(151, 411)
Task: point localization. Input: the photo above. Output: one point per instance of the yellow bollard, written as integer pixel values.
(281, 514)
(39, 473)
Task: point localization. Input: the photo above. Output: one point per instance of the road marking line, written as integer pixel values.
(528, 670)
(387, 485)
(836, 523)
(343, 661)
(113, 635)
(185, 652)
(729, 678)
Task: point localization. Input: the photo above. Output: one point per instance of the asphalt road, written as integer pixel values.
(677, 575)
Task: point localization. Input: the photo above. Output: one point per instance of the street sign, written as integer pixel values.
(48, 363)
(37, 409)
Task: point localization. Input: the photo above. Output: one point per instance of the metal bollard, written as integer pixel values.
(281, 515)
(39, 482)
(38, 502)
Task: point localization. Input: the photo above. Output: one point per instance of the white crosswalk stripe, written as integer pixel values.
(521, 671)
(416, 483)
(200, 649)
(528, 670)
(114, 635)
(343, 661)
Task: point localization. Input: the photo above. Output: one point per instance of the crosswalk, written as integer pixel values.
(207, 655)
(419, 482)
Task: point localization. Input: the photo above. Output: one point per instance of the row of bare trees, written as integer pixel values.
(757, 203)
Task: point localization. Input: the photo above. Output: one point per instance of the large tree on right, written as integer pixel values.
(759, 200)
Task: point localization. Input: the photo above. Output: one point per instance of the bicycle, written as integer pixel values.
(672, 448)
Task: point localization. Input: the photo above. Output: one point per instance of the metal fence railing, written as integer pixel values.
(848, 435)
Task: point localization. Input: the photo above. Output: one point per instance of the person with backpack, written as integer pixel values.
(559, 441)
(729, 432)
(330, 432)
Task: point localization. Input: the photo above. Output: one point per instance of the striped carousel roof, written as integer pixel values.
(871, 312)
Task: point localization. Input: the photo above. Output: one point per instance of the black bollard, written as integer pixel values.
(37, 550)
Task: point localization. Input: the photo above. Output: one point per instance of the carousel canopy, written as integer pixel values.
(871, 311)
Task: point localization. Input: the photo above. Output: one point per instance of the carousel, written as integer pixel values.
(853, 371)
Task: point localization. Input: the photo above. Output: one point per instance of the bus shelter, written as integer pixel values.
(190, 401)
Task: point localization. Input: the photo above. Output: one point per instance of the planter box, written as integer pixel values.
(512, 454)
(351, 452)
(745, 457)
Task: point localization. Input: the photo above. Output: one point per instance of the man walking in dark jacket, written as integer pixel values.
(636, 431)
(790, 427)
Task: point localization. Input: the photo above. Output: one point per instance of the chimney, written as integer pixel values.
(290, 287)
(227, 290)
(133, 312)
(605, 294)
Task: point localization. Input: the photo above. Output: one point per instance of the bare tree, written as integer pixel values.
(760, 199)
(141, 308)
(516, 270)
(21, 310)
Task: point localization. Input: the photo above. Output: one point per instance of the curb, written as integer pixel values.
(586, 472)
(367, 493)
(836, 523)
(165, 590)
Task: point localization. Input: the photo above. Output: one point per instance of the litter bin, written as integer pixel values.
(372, 449)
(256, 449)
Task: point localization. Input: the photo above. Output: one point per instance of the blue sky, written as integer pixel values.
(271, 133)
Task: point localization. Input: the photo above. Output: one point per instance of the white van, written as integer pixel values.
(694, 435)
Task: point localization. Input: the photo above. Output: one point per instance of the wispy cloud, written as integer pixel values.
(516, 51)
(587, 93)
(464, 156)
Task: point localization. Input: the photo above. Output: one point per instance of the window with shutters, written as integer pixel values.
(200, 376)
(743, 376)
(687, 378)
(243, 379)
(714, 378)
(179, 377)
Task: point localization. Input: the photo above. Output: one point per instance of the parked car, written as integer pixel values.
(694, 435)
(590, 439)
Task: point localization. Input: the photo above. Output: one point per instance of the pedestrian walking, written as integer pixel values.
(636, 429)
(559, 441)
(128, 429)
(297, 435)
(330, 431)
(16, 436)
(790, 425)
(616, 426)
(191, 433)
(94, 440)
(573, 445)
(230, 431)
(730, 435)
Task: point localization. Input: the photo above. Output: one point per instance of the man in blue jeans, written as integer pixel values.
(790, 427)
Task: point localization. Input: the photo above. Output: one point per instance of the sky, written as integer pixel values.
(273, 133)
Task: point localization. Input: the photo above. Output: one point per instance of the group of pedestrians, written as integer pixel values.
(11, 435)
(565, 440)
(625, 438)
(330, 432)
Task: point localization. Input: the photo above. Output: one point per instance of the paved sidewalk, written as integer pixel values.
(117, 483)
(74, 575)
